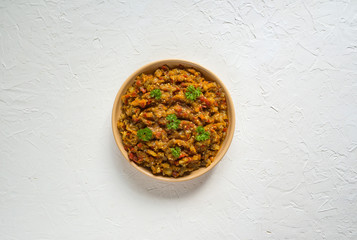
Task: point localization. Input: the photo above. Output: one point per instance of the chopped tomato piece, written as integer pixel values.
(157, 134)
(142, 104)
(205, 100)
(143, 90)
(133, 157)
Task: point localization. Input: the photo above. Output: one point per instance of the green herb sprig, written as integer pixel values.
(192, 93)
(173, 121)
(176, 152)
(144, 134)
(202, 134)
(156, 93)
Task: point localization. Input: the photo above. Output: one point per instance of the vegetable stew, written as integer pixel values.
(173, 121)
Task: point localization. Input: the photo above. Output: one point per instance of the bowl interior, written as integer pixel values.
(150, 68)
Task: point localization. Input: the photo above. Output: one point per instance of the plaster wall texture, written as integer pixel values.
(290, 173)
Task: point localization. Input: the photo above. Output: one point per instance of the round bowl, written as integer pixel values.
(150, 68)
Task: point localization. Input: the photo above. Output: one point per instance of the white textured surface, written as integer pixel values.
(291, 172)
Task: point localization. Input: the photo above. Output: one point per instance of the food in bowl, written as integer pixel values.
(173, 121)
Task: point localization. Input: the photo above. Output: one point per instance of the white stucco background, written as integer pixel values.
(291, 171)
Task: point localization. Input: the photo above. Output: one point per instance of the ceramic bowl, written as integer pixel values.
(150, 68)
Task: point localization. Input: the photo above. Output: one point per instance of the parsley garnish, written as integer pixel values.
(144, 134)
(176, 152)
(202, 134)
(173, 122)
(192, 93)
(156, 93)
